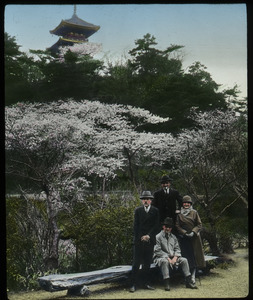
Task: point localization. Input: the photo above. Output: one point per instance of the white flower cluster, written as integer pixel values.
(65, 142)
(86, 137)
(85, 48)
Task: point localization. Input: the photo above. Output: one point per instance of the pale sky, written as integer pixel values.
(213, 34)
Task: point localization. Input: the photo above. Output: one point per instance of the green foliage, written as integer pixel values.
(229, 227)
(100, 228)
(151, 78)
(24, 253)
(67, 257)
(154, 79)
(102, 231)
(11, 48)
(117, 86)
(72, 76)
(151, 61)
(17, 87)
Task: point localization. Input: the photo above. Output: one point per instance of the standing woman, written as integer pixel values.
(188, 225)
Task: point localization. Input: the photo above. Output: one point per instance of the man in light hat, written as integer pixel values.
(167, 255)
(167, 200)
(146, 226)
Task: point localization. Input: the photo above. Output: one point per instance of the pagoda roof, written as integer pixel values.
(77, 25)
(60, 43)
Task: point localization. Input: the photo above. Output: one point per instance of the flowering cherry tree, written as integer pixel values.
(57, 147)
(212, 161)
(81, 49)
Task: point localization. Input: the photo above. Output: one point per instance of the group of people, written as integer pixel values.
(166, 232)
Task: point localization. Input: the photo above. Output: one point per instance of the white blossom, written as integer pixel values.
(86, 48)
(90, 136)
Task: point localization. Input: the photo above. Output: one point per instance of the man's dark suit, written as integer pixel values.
(144, 224)
(167, 203)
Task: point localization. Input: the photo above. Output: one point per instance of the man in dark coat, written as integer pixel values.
(146, 226)
(167, 200)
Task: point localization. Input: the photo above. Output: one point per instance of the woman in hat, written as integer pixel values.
(188, 225)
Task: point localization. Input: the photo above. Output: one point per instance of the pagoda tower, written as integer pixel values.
(72, 31)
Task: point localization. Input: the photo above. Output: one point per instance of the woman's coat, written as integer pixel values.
(187, 224)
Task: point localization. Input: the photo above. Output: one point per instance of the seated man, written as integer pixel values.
(167, 255)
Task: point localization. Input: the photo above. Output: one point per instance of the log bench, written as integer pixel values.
(77, 283)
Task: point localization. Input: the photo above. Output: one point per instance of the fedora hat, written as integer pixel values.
(146, 195)
(165, 179)
(168, 222)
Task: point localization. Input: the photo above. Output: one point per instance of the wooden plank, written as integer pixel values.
(57, 282)
(210, 257)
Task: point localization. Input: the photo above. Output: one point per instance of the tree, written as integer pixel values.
(151, 78)
(63, 147)
(155, 80)
(16, 75)
(213, 165)
(101, 230)
(71, 74)
(147, 60)
(117, 85)
(174, 96)
(25, 234)
(42, 76)
(239, 105)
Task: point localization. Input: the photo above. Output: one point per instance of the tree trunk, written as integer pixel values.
(130, 166)
(77, 264)
(212, 240)
(53, 235)
(51, 260)
(226, 244)
(103, 189)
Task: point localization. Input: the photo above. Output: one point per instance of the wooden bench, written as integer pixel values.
(77, 283)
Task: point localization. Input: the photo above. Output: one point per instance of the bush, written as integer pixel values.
(103, 237)
(24, 251)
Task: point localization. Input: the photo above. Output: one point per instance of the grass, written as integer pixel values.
(231, 282)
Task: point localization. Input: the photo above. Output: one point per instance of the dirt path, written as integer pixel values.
(221, 283)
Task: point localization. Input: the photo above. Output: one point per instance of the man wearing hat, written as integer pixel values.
(167, 255)
(167, 200)
(146, 226)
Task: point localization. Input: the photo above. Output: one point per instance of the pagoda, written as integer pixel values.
(72, 31)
